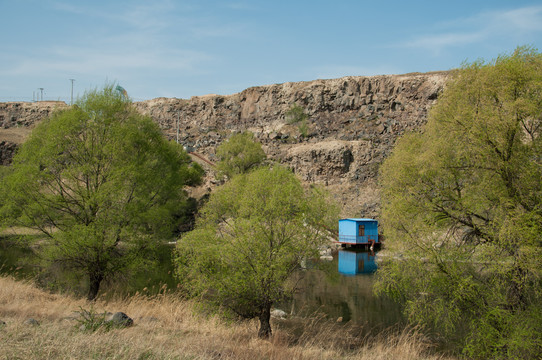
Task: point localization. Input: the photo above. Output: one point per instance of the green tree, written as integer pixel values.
(251, 236)
(463, 201)
(101, 182)
(239, 154)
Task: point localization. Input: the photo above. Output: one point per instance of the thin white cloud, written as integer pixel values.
(75, 60)
(516, 24)
(439, 41)
(145, 17)
(152, 38)
(161, 17)
(527, 19)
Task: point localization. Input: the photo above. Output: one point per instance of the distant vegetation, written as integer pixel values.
(462, 201)
(296, 116)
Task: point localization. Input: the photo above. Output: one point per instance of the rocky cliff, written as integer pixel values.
(352, 125)
(16, 121)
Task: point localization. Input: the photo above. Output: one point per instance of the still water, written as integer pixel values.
(343, 290)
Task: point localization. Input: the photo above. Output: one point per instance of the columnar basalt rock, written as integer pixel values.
(353, 123)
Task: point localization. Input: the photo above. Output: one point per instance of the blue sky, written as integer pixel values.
(188, 47)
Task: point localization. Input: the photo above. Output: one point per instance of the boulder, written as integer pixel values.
(31, 321)
(120, 319)
(278, 314)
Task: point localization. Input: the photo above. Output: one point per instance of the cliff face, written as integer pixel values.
(16, 122)
(352, 126)
(24, 114)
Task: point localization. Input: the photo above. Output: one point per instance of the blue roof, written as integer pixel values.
(358, 219)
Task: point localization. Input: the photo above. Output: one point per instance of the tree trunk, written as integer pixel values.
(265, 326)
(94, 285)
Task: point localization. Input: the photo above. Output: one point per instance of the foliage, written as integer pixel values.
(91, 320)
(252, 235)
(239, 154)
(4, 171)
(103, 185)
(303, 129)
(296, 115)
(463, 202)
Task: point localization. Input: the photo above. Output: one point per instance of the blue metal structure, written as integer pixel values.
(358, 231)
(356, 262)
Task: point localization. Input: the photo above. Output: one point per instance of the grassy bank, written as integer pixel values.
(168, 328)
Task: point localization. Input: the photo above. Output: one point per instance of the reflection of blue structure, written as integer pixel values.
(358, 231)
(356, 262)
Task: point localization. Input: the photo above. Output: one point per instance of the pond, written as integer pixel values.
(342, 290)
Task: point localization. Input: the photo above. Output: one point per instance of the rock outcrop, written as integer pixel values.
(353, 123)
(26, 114)
(352, 126)
(7, 151)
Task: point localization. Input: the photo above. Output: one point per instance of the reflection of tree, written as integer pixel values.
(350, 297)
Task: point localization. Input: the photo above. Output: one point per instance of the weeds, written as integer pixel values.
(92, 320)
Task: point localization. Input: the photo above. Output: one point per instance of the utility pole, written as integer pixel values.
(178, 121)
(71, 102)
(41, 89)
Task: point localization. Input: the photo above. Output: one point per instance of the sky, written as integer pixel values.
(184, 48)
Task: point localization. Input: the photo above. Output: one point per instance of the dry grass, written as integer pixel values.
(169, 328)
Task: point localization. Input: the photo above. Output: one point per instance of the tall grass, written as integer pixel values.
(167, 327)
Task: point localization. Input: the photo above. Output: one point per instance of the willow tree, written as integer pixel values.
(252, 235)
(462, 200)
(101, 183)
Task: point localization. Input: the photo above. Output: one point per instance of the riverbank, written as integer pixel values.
(166, 327)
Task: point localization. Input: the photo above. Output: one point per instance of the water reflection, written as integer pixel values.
(343, 289)
(353, 262)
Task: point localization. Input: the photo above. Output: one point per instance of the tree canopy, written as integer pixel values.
(462, 200)
(239, 154)
(251, 236)
(101, 182)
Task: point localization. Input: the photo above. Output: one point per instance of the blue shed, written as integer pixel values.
(358, 231)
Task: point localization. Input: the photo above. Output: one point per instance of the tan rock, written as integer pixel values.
(352, 127)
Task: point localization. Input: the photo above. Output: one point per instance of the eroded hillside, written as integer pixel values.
(353, 123)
